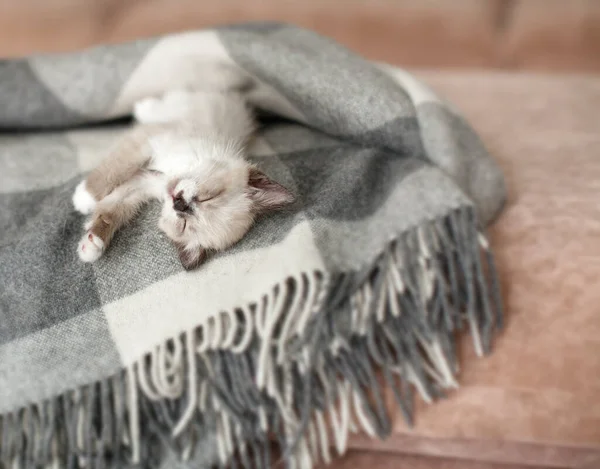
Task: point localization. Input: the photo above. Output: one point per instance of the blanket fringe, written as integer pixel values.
(304, 367)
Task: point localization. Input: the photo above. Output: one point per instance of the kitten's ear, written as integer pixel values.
(190, 258)
(266, 194)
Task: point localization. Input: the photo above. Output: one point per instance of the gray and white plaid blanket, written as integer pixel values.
(288, 337)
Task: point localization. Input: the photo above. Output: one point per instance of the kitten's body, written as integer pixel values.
(188, 153)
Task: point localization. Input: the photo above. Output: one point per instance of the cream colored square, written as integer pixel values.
(195, 60)
(165, 309)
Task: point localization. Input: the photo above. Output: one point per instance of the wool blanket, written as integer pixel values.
(288, 338)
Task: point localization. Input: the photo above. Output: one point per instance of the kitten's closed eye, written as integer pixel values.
(200, 199)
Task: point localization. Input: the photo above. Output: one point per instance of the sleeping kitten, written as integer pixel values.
(189, 153)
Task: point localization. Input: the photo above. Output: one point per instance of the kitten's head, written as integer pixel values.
(214, 204)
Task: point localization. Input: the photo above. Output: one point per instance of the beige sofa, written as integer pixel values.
(525, 74)
(515, 34)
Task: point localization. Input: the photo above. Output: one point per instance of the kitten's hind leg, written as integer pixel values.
(92, 245)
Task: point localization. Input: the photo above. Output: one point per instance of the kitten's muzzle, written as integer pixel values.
(180, 205)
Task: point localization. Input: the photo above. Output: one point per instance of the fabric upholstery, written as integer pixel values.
(368, 459)
(559, 35)
(542, 383)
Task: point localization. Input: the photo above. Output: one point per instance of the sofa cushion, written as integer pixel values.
(552, 34)
(524, 34)
(436, 32)
(539, 392)
(420, 33)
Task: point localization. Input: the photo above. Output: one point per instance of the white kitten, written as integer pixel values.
(189, 152)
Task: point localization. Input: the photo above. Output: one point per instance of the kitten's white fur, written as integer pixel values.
(198, 163)
(90, 248)
(83, 200)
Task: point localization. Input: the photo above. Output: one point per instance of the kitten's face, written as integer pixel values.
(214, 204)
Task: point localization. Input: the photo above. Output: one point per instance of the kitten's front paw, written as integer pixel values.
(90, 247)
(83, 201)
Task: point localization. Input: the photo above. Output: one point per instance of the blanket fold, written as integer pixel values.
(293, 335)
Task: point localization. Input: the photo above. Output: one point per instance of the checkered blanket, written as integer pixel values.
(286, 338)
